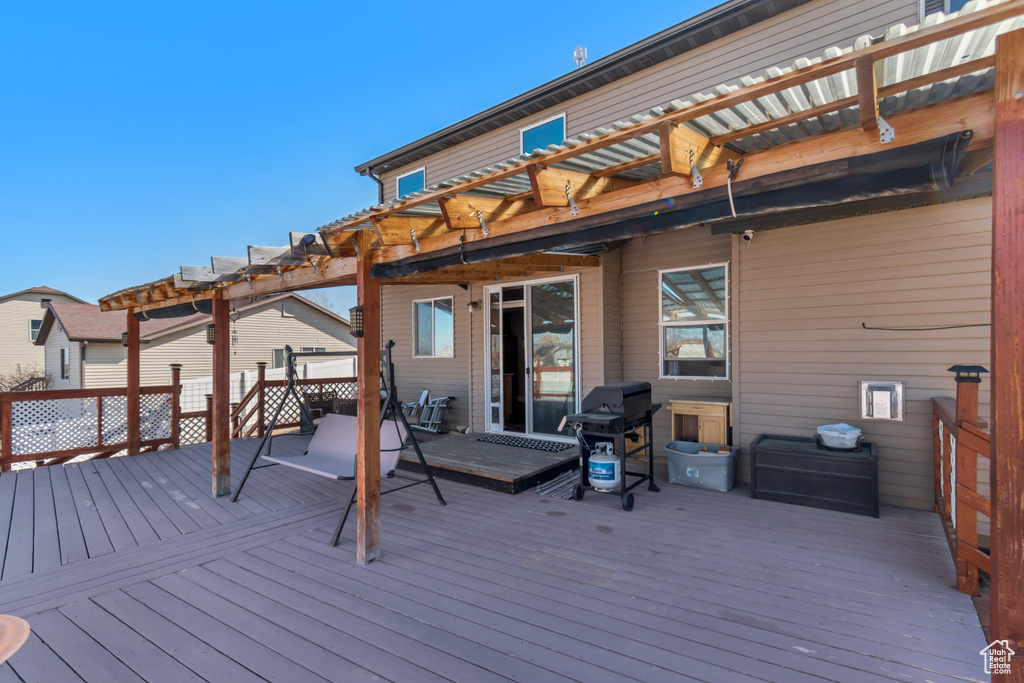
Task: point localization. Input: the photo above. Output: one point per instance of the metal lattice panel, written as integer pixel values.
(155, 416)
(53, 425)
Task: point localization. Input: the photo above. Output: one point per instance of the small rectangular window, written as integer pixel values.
(314, 349)
(410, 182)
(65, 364)
(694, 322)
(33, 329)
(278, 358)
(43, 303)
(542, 135)
(947, 6)
(433, 328)
(288, 309)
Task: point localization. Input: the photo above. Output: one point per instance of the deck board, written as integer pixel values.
(690, 585)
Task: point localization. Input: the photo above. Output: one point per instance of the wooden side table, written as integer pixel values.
(704, 421)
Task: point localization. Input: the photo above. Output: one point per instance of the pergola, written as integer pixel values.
(889, 124)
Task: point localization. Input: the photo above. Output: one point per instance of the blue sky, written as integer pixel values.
(139, 137)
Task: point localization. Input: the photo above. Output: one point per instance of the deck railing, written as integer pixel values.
(960, 440)
(54, 427)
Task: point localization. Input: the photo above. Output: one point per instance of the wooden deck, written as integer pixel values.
(127, 570)
(509, 469)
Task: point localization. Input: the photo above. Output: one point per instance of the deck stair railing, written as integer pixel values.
(960, 441)
(31, 384)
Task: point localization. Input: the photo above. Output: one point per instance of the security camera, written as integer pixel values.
(748, 235)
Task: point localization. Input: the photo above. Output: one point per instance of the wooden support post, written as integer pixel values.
(867, 92)
(368, 409)
(6, 451)
(176, 405)
(261, 378)
(221, 398)
(1007, 600)
(966, 476)
(134, 385)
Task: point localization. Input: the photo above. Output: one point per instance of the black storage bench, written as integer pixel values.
(792, 469)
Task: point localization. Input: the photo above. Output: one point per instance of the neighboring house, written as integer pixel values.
(83, 344)
(776, 324)
(21, 316)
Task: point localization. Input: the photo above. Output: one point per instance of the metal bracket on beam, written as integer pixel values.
(355, 244)
(248, 278)
(572, 201)
(415, 241)
(316, 266)
(886, 133)
(483, 225)
(695, 176)
(280, 274)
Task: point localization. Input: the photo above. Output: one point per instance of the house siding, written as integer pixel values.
(800, 32)
(804, 294)
(641, 260)
(16, 347)
(55, 341)
(255, 335)
(442, 376)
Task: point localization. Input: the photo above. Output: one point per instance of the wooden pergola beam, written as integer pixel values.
(1007, 449)
(549, 185)
(459, 212)
(678, 142)
(393, 230)
(867, 92)
(918, 125)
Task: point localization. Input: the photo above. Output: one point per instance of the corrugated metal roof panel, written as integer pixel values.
(914, 63)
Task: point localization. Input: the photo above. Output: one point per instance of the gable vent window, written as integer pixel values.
(288, 309)
(43, 303)
(542, 135)
(414, 181)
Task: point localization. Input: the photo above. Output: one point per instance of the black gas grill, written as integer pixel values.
(622, 414)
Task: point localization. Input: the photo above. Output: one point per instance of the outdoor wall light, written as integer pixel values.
(211, 334)
(124, 339)
(355, 320)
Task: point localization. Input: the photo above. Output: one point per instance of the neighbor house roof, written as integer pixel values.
(39, 290)
(86, 322)
(704, 28)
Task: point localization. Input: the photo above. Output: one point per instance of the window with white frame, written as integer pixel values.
(410, 182)
(65, 363)
(278, 358)
(33, 329)
(314, 349)
(541, 135)
(288, 309)
(433, 328)
(694, 322)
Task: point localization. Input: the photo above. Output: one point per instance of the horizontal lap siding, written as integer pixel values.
(641, 260)
(16, 346)
(442, 376)
(804, 294)
(800, 32)
(612, 266)
(56, 340)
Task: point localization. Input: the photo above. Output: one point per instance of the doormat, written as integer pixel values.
(561, 487)
(520, 442)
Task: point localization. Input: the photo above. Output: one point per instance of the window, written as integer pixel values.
(314, 349)
(43, 303)
(947, 6)
(694, 324)
(33, 329)
(543, 134)
(65, 363)
(278, 358)
(413, 181)
(433, 330)
(288, 309)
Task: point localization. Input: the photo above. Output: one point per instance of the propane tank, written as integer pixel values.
(604, 467)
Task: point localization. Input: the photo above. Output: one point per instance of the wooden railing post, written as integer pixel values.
(368, 411)
(221, 448)
(236, 422)
(208, 420)
(134, 386)
(176, 405)
(937, 455)
(968, 378)
(6, 449)
(261, 381)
